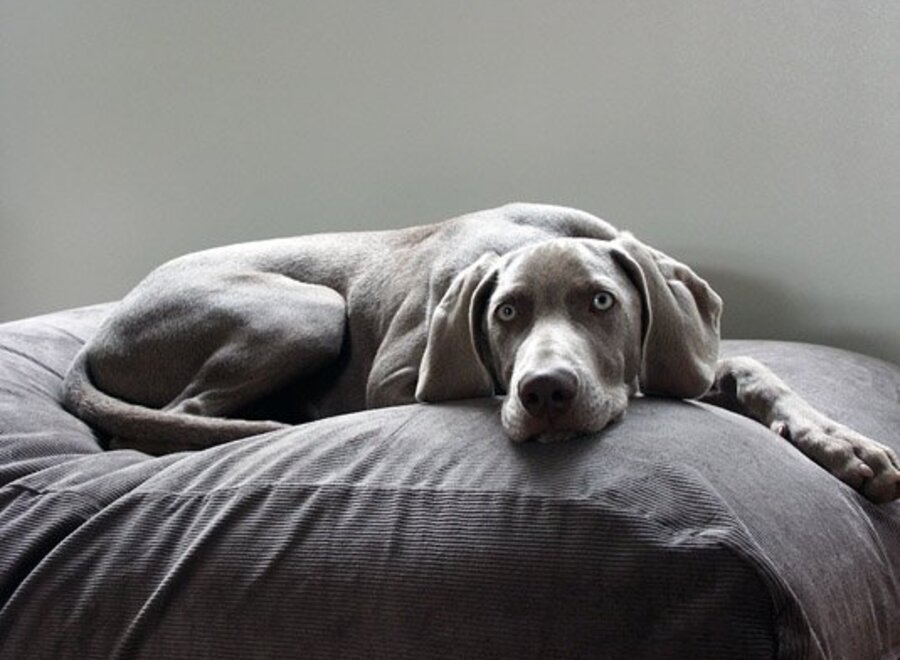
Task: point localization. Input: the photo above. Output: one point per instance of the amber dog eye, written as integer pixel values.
(603, 301)
(506, 312)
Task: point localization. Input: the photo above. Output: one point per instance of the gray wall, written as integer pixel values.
(758, 141)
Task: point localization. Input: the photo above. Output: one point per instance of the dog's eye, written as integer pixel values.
(602, 301)
(506, 312)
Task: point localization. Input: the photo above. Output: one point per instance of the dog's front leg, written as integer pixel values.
(746, 386)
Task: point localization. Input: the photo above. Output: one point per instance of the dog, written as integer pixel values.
(552, 307)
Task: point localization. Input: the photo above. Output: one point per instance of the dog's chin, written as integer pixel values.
(550, 437)
(547, 432)
(523, 427)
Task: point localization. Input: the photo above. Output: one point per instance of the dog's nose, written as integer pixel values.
(548, 393)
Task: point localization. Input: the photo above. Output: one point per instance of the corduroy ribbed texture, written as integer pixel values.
(420, 531)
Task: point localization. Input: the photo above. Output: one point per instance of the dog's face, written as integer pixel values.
(568, 329)
(562, 337)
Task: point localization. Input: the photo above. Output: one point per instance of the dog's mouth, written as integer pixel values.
(553, 436)
(521, 426)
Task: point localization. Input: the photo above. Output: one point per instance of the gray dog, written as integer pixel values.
(551, 306)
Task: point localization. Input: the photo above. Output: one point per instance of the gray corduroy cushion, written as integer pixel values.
(420, 531)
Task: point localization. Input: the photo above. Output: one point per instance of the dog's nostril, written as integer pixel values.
(548, 393)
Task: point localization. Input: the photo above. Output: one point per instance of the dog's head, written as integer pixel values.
(569, 329)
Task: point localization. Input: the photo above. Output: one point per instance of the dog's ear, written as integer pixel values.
(680, 321)
(452, 366)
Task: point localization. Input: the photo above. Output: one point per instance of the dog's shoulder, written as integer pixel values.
(520, 222)
(556, 221)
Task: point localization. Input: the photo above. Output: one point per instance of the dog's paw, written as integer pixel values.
(864, 464)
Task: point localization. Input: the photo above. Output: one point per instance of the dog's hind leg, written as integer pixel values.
(181, 353)
(746, 386)
(279, 330)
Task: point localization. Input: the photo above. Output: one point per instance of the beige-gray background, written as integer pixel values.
(758, 141)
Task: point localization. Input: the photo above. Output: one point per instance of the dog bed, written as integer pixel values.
(421, 531)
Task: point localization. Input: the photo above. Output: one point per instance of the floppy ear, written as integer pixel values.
(680, 321)
(451, 366)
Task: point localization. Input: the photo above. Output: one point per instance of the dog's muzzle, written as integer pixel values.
(548, 393)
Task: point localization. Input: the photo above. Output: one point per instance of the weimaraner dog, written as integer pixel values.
(551, 306)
